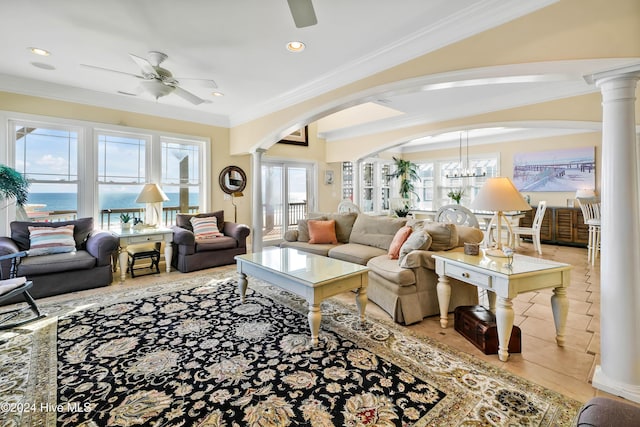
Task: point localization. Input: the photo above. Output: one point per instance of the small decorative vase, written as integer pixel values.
(126, 226)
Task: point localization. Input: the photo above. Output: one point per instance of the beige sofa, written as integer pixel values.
(406, 288)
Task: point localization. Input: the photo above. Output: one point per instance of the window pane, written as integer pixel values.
(180, 177)
(121, 159)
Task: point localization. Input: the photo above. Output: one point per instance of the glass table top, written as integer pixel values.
(302, 265)
(522, 264)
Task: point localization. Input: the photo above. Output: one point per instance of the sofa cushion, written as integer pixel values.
(82, 228)
(184, 220)
(356, 253)
(344, 225)
(49, 264)
(468, 234)
(322, 231)
(375, 231)
(418, 240)
(223, 242)
(444, 235)
(205, 228)
(390, 270)
(51, 240)
(398, 240)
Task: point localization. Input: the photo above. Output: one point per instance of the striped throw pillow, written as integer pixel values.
(205, 228)
(51, 240)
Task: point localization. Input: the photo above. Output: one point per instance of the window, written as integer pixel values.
(375, 193)
(470, 186)
(48, 157)
(347, 181)
(121, 172)
(181, 178)
(425, 188)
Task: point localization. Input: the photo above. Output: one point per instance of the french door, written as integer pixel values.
(288, 194)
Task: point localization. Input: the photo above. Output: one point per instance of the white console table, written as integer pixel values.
(493, 274)
(139, 236)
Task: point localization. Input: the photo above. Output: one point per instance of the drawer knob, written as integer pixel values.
(465, 275)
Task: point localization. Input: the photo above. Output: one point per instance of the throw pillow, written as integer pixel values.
(444, 235)
(51, 240)
(322, 231)
(419, 240)
(398, 240)
(205, 228)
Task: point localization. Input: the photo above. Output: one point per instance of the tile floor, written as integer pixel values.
(568, 369)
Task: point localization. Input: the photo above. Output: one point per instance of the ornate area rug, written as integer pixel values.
(189, 353)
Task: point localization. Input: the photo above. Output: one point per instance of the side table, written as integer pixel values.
(143, 235)
(526, 274)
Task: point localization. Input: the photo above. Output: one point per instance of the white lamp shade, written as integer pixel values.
(151, 193)
(499, 195)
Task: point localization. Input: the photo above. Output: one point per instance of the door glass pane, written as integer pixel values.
(272, 201)
(297, 195)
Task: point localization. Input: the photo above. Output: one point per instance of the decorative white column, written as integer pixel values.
(256, 186)
(619, 371)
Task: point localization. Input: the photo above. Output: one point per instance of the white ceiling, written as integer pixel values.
(241, 45)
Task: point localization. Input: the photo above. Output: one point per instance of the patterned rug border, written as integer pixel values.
(61, 305)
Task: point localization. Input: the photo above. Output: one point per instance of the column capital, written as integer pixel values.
(630, 71)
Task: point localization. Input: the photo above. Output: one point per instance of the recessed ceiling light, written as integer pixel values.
(217, 93)
(295, 46)
(38, 51)
(43, 65)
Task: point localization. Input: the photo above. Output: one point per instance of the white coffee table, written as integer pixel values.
(313, 277)
(493, 274)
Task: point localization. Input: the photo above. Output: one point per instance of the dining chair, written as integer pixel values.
(458, 215)
(591, 216)
(534, 230)
(347, 206)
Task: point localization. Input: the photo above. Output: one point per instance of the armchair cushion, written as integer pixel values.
(205, 228)
(51, 240)
(444, 235)
(55, 263)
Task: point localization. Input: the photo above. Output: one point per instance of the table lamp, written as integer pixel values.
(153, 194)
(235, 208)
(499, 195)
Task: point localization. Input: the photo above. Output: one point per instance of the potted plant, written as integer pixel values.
(456, 195)
(13, 185)
(124, 221)
(407, 172)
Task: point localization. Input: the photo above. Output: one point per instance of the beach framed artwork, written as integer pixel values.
(557, 170)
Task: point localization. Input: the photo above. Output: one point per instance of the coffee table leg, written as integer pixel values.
(560, 308)
(504, 322)
(315, 316)
(444, 296)
(361, 301)
(242, 285)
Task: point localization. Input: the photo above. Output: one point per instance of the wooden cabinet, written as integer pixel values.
(560, 225)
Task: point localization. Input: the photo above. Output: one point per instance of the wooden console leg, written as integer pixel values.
(444, 296)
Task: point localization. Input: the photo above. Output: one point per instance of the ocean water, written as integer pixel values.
(68, 201)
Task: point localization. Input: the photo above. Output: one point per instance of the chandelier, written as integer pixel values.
(464, 171)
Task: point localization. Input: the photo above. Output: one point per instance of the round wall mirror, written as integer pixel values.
(232, 179)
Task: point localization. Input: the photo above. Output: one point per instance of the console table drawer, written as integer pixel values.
(145, 239)
(469, 276)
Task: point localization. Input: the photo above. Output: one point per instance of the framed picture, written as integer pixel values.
(557, 170)
(299, 137)
(328, 177)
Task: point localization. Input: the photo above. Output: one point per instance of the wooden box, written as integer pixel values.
(478, 325)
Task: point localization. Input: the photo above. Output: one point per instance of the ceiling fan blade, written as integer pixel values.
(188, 96)
(112, 71)
(303, 13)
(145, 66)
(210, 83)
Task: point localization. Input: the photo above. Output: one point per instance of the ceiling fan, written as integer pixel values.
(303, 13)
(158, 81)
